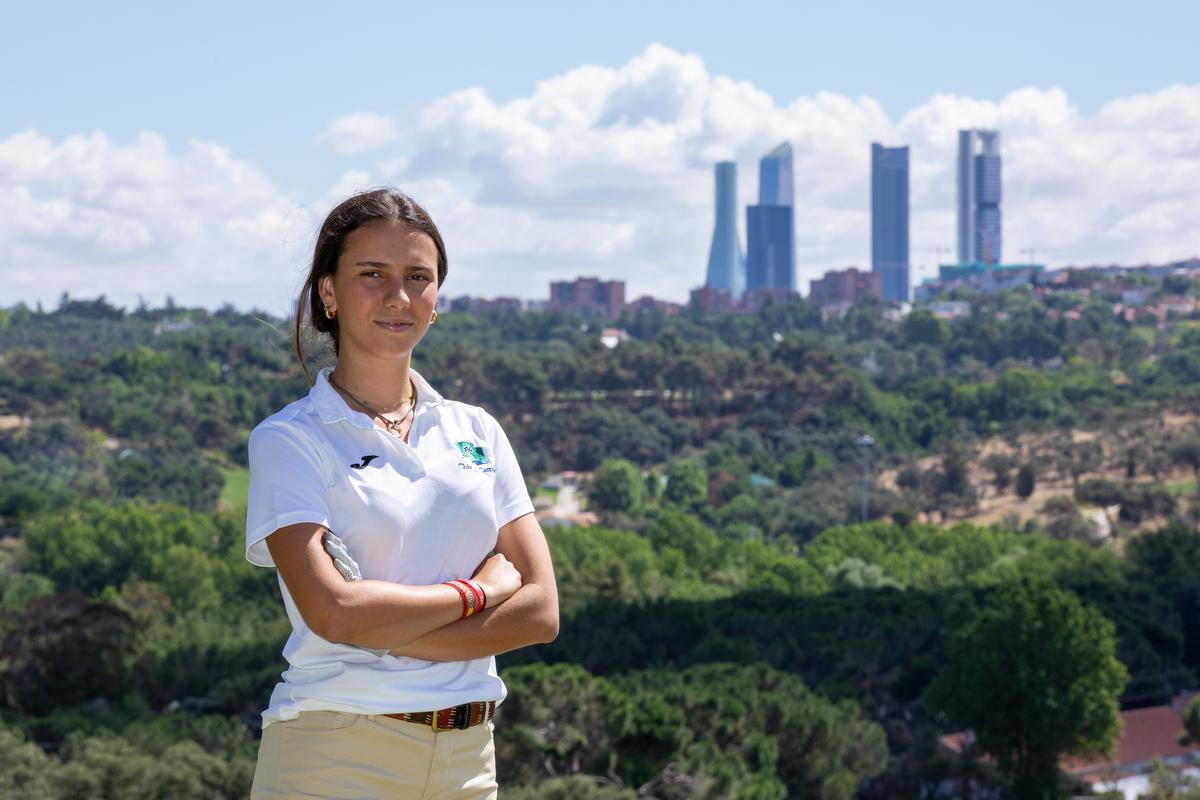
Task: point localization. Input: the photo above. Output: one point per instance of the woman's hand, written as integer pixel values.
(499, 579)
(528, 616)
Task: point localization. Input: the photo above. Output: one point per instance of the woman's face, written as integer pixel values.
(384, 290)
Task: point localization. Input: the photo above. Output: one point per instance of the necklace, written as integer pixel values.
(394, 426)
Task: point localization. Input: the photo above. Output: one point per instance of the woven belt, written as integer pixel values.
(467, 715)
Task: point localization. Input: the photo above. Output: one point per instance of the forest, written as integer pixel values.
(764, 608)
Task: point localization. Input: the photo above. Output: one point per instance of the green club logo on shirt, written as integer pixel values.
(473, 452)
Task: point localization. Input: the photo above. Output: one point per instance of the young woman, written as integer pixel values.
(391, 681)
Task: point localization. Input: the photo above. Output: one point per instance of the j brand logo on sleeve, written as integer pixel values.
(362, 464)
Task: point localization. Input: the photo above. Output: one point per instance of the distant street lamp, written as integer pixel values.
(865, 443)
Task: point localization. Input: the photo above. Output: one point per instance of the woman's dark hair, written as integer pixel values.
(391, 205)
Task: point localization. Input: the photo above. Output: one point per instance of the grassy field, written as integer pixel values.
(237, 483)
(1185, 487)
(545, 491)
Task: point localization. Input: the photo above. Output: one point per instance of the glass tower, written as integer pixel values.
(979, 197)
(889, 220)
(726, 266)
(775, 177)
(770, 241)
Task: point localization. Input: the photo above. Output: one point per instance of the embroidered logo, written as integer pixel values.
(362, 464)
(475, 459)
(473, 452)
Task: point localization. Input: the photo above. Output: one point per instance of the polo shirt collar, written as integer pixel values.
(331, 407)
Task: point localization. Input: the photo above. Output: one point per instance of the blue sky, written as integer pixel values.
(263, 82)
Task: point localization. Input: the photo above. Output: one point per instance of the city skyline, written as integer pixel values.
(208, 187)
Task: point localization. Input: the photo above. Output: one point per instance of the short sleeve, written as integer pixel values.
(288, 484)
(512, 498)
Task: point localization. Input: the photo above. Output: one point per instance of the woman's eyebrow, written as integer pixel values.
(385, 264)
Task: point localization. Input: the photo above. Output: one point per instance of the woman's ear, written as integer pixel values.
(325, 289)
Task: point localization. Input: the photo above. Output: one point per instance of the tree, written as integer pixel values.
(1001, 465)
(1187, 453)
(24, 769)
(616, 487)
(687, 485)
(1034, 673)
(562, 721)
(796, 468)
(922, 327)
(1064, 520)
(1191, 722)
(1026, 481)
(1171, 784)
(1083, 458)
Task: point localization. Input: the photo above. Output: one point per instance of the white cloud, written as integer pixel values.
(88, 216)
(359, 132)
(601, 171)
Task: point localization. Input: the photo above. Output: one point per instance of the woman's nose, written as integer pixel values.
(396, 293)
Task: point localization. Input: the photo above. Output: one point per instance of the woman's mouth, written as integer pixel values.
(395, 327)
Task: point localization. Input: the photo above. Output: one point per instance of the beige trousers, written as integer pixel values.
(330, 754)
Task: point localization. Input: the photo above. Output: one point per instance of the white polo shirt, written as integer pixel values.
(416, 513)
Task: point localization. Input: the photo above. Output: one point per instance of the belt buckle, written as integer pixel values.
(457, 718)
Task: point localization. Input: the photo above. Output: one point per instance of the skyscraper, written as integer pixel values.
(889, 220)
(978, 196)
(775, 177)
(726, 266)
(770, 242)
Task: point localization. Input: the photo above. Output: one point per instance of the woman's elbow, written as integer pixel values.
(329, 627)
(548, 627)
(332, 620)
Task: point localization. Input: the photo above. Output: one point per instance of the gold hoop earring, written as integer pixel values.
(433, 319)
(330, 314)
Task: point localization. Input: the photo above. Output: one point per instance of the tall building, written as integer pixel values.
(726, 265)
(770, 241)
(978, 197)
(775, 183)
(889, 220)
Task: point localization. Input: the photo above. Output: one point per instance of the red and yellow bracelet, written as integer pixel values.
(472, 596)
(468, 599)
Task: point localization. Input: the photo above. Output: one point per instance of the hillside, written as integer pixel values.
(731, 627)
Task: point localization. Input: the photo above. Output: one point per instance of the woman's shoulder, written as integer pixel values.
(295, 416)
(477, 417)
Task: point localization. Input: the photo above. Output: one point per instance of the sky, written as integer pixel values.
(192, 151)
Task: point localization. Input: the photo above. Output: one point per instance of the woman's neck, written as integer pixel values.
(380, 383)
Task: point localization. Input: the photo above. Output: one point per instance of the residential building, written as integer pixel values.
(847, 286)
(480, 305)
(1148, 735)
(588, 296)
(753, 300)
(709, 299)
(647, 304)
